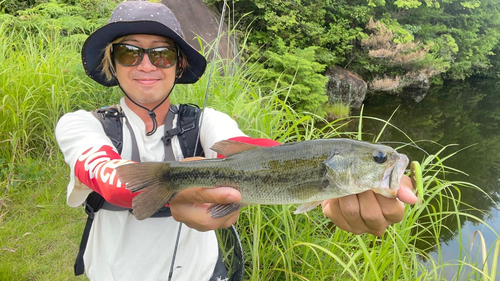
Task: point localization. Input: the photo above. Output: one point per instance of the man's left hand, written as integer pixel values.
(191, 205)
(369, 212)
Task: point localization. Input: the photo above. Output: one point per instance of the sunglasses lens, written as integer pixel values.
(163, 57)
(127, 55)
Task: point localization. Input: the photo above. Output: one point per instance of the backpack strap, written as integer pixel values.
(111, 120)
(188, 118)
(93, 203)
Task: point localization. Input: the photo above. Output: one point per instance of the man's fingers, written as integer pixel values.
(350, 209)
(406, 195)
(371, 213)
(196, 158)
(196, 216)
(366, 212)
(331, 209)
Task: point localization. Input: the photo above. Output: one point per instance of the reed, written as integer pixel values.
(41, 79)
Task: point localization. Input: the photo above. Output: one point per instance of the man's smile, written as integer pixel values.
(147, 82)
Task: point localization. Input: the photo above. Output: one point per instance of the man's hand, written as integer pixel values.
(369, 212)
(190, 206)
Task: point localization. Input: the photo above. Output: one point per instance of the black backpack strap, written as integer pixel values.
(188, 118)
(93, 203)
(238, 264)
(111, 120)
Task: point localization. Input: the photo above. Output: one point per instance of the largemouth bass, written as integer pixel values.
(306, 173)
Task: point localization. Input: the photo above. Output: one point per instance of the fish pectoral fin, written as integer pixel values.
(307, 207)
(221, 210)
(145, 204)
(228, 148)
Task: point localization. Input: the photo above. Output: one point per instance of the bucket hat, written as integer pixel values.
(140, 17)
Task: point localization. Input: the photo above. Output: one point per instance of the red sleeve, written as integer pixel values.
(96, 169)
(259, 142)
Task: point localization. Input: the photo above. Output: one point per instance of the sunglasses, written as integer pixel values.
(130, 55)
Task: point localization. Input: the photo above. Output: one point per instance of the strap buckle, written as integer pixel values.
(89, 210)
(169, 134)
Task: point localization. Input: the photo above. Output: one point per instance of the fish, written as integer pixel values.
(305, 172)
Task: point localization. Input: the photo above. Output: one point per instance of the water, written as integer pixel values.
(462, 113)
(451, 249)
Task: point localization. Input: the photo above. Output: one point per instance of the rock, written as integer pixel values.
(417, 88)
(198, 19)
(345, 86)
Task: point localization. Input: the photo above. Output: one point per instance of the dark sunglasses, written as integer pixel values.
(130, 55)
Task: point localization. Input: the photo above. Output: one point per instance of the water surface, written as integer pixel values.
(466, 114)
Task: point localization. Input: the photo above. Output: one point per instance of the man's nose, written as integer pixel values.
(146, 64)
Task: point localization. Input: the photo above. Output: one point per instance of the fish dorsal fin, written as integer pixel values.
(228, 148)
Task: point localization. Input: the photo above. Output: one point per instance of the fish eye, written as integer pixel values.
(379, 156)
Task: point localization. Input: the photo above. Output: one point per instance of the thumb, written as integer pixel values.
(406, 195)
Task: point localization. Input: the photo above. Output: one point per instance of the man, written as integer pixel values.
(142, 51)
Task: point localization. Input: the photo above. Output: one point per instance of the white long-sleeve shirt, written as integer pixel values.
(119, 246)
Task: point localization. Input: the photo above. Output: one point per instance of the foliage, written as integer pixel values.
(11, 6)
(67, 18)
(408, 62)
(464, 32)
(48, 68)
(294, 41)
(460, 38)
(297, 74)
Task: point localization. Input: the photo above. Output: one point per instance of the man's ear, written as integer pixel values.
(181, 66)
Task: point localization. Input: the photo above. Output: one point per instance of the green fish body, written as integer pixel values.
(306, 173)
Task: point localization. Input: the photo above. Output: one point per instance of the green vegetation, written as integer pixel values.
(390, 44)
(41, 79)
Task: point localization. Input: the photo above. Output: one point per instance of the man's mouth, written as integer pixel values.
(146, 81)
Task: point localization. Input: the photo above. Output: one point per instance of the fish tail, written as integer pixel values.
(139, 176)
(147, 177)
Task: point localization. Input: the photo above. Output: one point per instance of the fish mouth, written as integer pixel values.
(390, 183)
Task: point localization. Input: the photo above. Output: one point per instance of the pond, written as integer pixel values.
(463, 113)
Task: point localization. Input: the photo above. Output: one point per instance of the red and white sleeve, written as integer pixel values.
(96, 169)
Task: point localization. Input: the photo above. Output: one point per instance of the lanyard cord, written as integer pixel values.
(219, 32)
(175, 252)
(201, 122)
(151, 112)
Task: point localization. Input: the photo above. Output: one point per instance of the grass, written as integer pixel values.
(488, 275)
(41, 79)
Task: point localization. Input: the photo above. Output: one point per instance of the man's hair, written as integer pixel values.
(108, 66)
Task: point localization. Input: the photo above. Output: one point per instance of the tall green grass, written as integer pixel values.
(41, 79)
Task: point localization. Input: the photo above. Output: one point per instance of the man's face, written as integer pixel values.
(145, 83)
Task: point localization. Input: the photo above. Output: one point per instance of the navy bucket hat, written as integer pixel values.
(140, 17)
